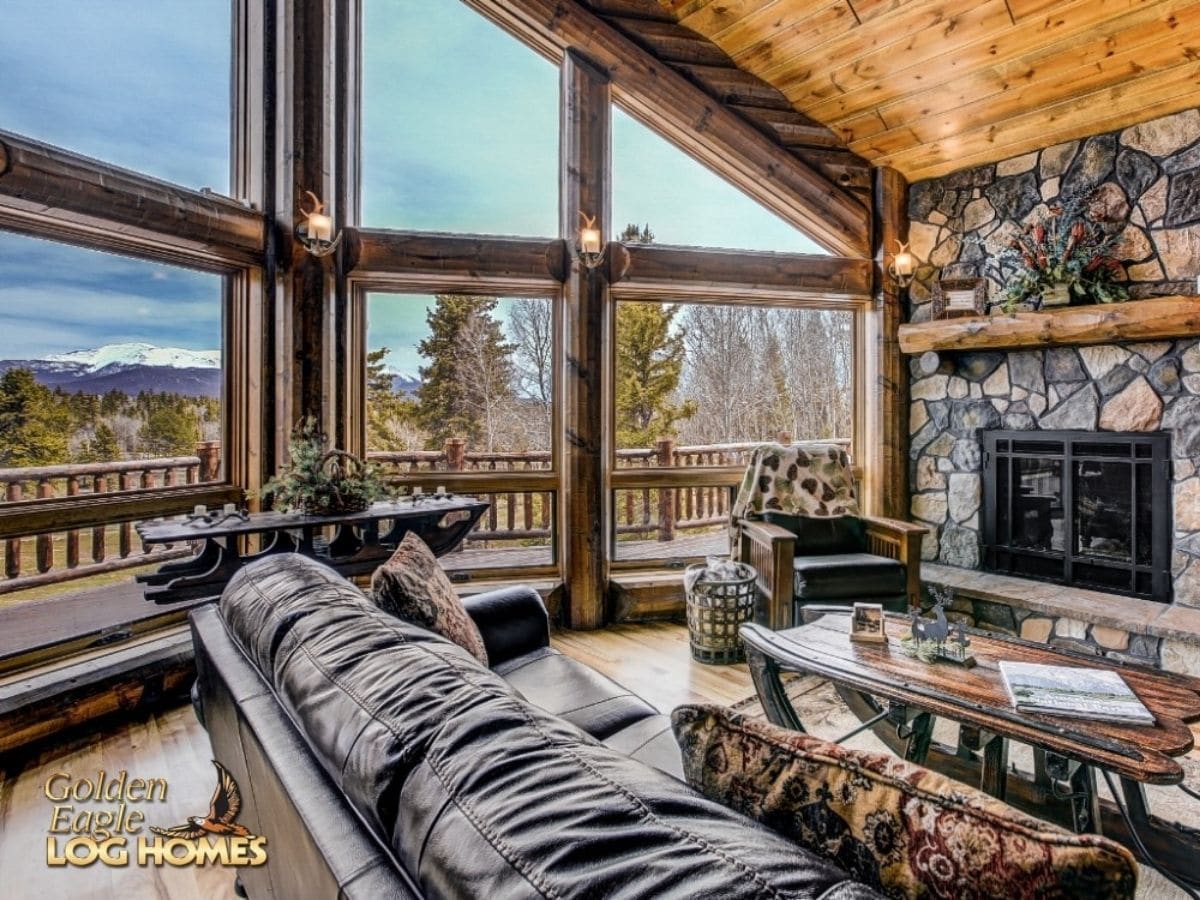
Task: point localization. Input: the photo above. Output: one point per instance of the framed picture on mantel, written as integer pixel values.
(954, 297)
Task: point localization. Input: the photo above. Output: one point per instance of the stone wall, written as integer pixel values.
(1149, 178)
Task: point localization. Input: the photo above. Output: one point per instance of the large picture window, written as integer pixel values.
(462, 387)
(142, 85)
(459, 123)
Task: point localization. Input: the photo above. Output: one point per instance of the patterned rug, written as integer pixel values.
(826, 716)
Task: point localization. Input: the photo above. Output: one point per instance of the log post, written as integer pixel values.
(210, 460)
(785, 438)
(886, 399)
(73, 534)
(45, 542)
(456, 454)
(12, 547)
(585, 167)
(664, 448)
(99, 486)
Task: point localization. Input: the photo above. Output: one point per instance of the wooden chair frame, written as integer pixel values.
(771, 549)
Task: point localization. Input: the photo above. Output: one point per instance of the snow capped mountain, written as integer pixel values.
(139, 354)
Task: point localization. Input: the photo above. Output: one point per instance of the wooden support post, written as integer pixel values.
(585, 160)
(887, 391)
(210, 460)
(456, 453)
(665, 448)
(45, 542)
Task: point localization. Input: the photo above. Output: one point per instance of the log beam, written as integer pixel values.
(586, 164)
(53, 192)
(665, 100)
(1156, 319)
(887, 400)
(736, 273)
(455, 261)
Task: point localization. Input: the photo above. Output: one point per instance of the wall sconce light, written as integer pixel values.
(590, 246)
(315, 229)
(903, 265)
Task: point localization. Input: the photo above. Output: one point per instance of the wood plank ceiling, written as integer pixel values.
(706, 65)
(933, 86)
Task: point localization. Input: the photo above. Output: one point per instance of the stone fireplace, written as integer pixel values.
(1079, 508)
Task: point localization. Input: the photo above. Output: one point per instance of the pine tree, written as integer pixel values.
(170, 428)
(467, 385)
(387, 411)
(102, 446)
(35, 423)
(649, 365)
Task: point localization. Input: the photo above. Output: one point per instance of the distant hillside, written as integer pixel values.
(130, 368)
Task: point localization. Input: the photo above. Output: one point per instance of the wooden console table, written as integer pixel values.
(898, 698)
(358, 546)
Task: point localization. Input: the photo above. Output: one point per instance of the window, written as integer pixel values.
(697, 386)
(141, 85)
(658, 186)
(462, 387)
(459, 123)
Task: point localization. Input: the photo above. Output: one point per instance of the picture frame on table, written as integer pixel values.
(866, 623)
(956, 297)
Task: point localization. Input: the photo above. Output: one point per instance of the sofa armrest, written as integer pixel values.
(512, 620)
(900, 541)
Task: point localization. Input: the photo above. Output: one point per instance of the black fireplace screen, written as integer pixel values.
(1084, 508)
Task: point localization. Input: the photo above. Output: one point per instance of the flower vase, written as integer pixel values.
(1056, 295)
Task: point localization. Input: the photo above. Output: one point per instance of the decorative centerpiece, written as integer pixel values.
(322, 481)
(938, 640)
(1066, 256)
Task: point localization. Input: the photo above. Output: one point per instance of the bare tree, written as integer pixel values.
(530, 323)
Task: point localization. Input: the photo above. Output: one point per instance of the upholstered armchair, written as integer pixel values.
(796, 520)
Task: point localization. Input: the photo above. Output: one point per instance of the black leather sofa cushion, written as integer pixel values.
(582, 696)
(650, 741)
(820, 535)
(480, 793)
(845, 576)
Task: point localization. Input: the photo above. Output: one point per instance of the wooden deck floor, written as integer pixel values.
(48, 621)
(652, 660)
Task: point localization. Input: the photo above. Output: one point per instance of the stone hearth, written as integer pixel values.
(1135, 387)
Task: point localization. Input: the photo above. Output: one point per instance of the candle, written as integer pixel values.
(200, 510)
(589, 240)
(229, 509)
(418, 490)
(320, 226)
(441, 489)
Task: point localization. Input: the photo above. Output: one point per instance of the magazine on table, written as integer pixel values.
(1098, 694)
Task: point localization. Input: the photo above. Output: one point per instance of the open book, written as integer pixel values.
(1097, 694)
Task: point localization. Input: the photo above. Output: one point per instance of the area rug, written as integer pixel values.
(825, 716)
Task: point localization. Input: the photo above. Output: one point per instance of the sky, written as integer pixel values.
(460, 133)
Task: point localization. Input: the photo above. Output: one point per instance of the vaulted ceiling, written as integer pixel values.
(933, 86)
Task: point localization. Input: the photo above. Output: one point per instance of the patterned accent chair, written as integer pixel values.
(796, 520)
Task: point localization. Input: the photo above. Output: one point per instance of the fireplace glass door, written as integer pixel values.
(1079, 508)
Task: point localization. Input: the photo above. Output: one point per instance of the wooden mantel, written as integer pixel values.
(1155, 319)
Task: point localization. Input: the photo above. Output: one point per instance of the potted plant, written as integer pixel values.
(322, 481)
(1067, 255)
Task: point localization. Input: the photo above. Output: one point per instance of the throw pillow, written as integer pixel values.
(903, 829)
(412, 586)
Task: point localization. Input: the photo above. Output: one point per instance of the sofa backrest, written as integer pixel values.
(477, 792)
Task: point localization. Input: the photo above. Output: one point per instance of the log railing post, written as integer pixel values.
(129, 482)
(73, 534)
(12, 547)
(99, 486)
(664, 449)
(45, 542)
(456, 454)
(210, 460)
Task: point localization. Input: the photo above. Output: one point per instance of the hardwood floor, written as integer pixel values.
(652, 660)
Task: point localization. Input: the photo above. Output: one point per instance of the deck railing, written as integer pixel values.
(58, 556)
(527, 517)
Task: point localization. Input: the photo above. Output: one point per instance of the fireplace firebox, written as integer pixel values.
(1084, 508)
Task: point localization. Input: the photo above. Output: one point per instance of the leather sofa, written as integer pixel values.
(380, 760)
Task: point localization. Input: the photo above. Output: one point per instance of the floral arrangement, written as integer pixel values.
(320, 480)
(1072, 247)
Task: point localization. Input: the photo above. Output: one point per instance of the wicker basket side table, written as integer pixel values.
(715, 609)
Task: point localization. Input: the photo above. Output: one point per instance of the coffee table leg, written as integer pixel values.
(1074, 782)
(771, 693)
(919, 735)
(992, 758)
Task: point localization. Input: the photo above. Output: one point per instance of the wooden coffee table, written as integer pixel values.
(898, 697)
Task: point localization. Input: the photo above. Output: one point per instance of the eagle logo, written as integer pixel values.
(222, 815)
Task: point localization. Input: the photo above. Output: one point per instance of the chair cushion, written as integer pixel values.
(822, 534)
(843, 576)
(896, 826)
(581, 695)
(412, 586)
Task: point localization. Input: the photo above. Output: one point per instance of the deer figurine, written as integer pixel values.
(936, 631)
